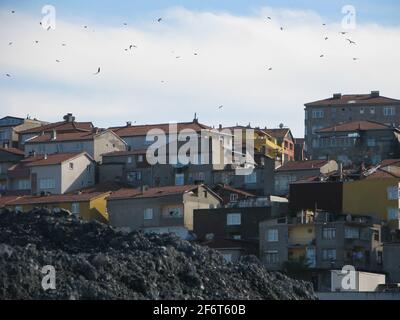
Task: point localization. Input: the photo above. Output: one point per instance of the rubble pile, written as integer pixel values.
(95, 261)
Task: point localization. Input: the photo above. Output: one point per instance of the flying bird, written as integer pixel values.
(8, 75)
(321, 56)
(98, 71)
(351, 41)
(48, 28)
(13, 11)
(326, 38)
(269, 18)
(85, 27)
(220, 107)
(36, 41)
(195, 54)
(281, 28)
(125, 24)
(324, 24)
(58, 61)
(269, 68)
(177, 57)
(355, 59)
(343, 32)
(132, 46)
(159, 19)
(10, 43)
(63, 44)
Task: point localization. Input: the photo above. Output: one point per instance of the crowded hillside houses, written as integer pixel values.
(306, 205)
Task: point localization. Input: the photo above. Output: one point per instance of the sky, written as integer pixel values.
(200, 56)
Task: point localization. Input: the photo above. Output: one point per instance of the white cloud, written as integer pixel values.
(230, 68)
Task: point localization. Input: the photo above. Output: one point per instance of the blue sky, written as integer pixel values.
(235, 46)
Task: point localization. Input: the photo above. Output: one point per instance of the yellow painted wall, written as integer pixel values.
(95, 209)
(301, 233)
(369, 197)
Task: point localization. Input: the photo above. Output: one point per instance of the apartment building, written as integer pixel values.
(299, 170)
(285, 140)
(341, 108)
(160, 210)
(11, 128)
(8, 158)
(316, 242)
(54, 174)
(94, 143)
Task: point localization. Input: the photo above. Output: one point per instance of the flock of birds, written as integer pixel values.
(159, 20)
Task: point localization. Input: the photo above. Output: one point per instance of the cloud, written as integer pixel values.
(149, 84)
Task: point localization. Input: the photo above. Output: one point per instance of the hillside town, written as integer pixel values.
(307, 206)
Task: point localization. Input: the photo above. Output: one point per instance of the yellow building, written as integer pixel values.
(89, 206)
(376, 196)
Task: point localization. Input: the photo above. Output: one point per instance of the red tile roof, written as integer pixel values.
(124, 153)
(127, 193)
(302, 165)
(4, 200)
(357, 125)
(13, 151)
(278, 133)
(142, 130)
(51, 159)
(62, 126)
(231, 189)
(354, 99)
(71, 136)
(56, 198)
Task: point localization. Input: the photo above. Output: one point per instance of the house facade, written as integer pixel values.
(11, 128)
(8, 158)
(285, 140)
(299, 170)
(159, 210)
(54, 174)
(347, 108)
(94, 143)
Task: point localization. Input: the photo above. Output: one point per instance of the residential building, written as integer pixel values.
(55, 173)
(11, 127)
(316, 242)
(358, 142)
(8, 157)
(160, 210)
(231, 195)
(88, 206)
(299, 149)
(94, 143)
(347, 108)
(285, 140)
(68, 125)
(299, 170)
(233, 229)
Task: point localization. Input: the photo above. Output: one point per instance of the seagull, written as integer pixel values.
(85, 27)
(355, 59)
(49, 27)
(269, 18)
(281, 28)
(324, 24)
(98, 71)
(343, 32)
(220, 107)
(36, 41)
(350, 41)
(195, 54)
(63, 44)
(58, 61)
(12, 11)
(159, 19)
(270, 68)
(326, 38)
(8, 75)
(321, 56)
(10, 43)
(177, 57)
(132, 46)
(125, 24)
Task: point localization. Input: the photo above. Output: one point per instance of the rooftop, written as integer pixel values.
(56, 198)
(62, 126)
(302, 165)
(45, 160)
(127, 193)
(142, 130)
(13, 151)
(356, 126)
(373, 98)
(71, 136)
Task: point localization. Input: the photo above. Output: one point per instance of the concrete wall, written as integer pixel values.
(47, 172)
(81, 176)
(391, 261)
(107, 142)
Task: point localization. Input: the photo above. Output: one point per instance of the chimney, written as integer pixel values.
(374, 94)
(220, 127)
(195, 120)
(69, 117)
(337, 96)
(341, 171)
(128, 123)
(54, 135)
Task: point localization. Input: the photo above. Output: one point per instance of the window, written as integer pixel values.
(251, 178)
(318, 114)
(236, 237)
(328, 233)
(3, 135)
(148, 214)
(71, 166)
(75, 208)
(179, 179)
(272, 257)
(351, 233)
(329, 254)
(233, 197)
(393, 193)
(134, 176)
(234, 219)
(47, 183)
(389, 111)
(371, 142)
(372, 110)
(174, 213)
(24, 184)
(140, 158)
(362, 110)
(129, 160)
(393, 214)
(272, 235)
